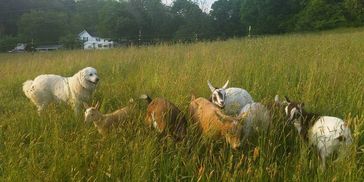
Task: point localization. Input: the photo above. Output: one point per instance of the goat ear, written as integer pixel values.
(287, 99)
(276, 99)
(193, 97)
(212, 88)
(226, 84)
(97, 106)
(85, 105)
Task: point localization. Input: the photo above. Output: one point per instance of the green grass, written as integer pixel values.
(326, 71)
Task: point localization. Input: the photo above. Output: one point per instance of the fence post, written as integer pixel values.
(250, 28)
(139, 37)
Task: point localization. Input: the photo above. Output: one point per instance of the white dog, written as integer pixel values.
(74, 90)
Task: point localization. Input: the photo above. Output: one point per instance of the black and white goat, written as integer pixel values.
(327, 133)
(232, 100)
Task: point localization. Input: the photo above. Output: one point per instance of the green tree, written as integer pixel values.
(137, 9)
(71, 41)
(354, 12)
(192, 23)
(269, 16)
(321, 14)
(115, 21)
(86, 15)
(7, 43)
(226, 18)
(161, 19)
(10, 13)
(43, 26)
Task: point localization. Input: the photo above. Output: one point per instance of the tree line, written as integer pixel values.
(60, 21)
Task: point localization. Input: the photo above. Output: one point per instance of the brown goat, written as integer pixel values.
(104, 122)
(165, 117)
(214, 123)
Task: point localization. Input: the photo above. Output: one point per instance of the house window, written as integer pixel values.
(99, 45)
(105, 45)
(98, 39)
(85, 39)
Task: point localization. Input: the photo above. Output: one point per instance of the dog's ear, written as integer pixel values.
(80, 75)
(85, 105)
(83, 74)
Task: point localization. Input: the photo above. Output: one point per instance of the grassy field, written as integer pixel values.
(325, 70)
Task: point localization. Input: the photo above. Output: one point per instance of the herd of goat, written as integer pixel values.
(229, 113)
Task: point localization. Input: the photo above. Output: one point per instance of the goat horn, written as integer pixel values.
(212, 88)
(226, 84)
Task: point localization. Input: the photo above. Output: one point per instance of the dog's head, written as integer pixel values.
(88, 78)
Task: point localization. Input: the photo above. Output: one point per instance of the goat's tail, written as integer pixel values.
(146, 97)
(345, 137)
(276, 99)
(27, 88)
(131, 101)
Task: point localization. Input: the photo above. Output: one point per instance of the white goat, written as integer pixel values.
(232, 100)
(104, 122)
(327, 133)
(257, 119)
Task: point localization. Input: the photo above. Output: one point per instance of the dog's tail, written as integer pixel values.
(27, 88)
(146, 97)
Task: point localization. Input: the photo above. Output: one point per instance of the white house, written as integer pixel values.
(90, 42)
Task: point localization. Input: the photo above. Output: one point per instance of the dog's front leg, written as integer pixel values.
(77, 108)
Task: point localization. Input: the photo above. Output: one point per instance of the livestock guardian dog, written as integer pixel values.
(75, 90)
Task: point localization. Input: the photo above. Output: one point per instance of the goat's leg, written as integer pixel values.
(323, 159)
(41, 108)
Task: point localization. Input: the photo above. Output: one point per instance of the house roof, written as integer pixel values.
(83, 31)
(92, 35)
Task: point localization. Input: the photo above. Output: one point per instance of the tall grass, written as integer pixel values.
(326, 71)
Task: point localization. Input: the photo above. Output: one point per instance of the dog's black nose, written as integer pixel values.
(97, 79)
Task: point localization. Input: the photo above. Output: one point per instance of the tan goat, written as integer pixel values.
(165, 117)
(104, 122)
(214, 123)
